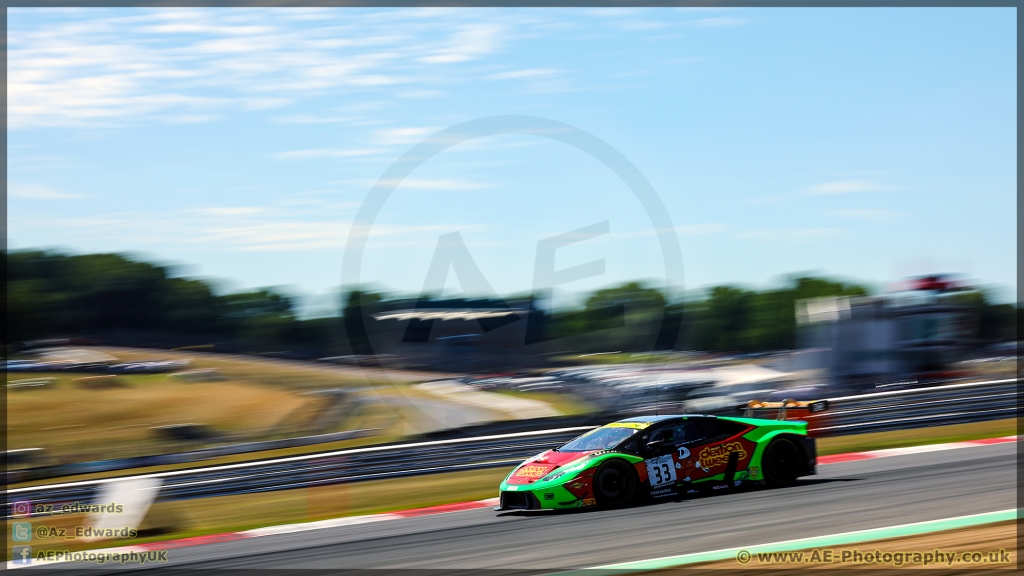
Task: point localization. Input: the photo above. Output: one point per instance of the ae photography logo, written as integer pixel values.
(24, 556)
(491, 327)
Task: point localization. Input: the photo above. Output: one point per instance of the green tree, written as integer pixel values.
(357, 307)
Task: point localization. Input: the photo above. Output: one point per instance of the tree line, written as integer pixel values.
(121, 300)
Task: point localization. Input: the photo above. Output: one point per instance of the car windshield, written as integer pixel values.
(599, 439)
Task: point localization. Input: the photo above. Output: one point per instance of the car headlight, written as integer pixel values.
(555, 475)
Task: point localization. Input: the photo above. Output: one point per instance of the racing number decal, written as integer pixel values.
(661, 470)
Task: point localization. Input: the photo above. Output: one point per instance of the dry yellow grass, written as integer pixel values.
(258, 398)
(71, 421)
(301, 375)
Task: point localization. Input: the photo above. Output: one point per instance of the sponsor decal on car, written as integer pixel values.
(661, 470)
(711, 457)
(634, 425)
(530, 471)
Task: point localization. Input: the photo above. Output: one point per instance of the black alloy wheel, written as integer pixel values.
(781, 462)
(614, 484)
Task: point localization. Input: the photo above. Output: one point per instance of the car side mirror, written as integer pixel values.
(656, 445)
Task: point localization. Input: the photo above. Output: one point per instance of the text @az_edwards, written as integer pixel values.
(85, 532)
(857, 556)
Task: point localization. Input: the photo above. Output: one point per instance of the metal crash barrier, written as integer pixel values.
(896, 410)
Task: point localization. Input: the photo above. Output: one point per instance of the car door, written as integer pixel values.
(659, 465)
(722, 450)
(665, 452)
(686, 438)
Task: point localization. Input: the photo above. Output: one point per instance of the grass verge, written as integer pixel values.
(71, 420)
(917, 437)
(987, 547)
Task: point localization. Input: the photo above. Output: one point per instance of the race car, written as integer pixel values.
(655, 457)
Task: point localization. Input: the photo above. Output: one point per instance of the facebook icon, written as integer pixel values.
(21, 554)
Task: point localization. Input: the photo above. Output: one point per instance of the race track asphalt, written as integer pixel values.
(841, 498)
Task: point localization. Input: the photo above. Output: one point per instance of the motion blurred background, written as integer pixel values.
(181, 186)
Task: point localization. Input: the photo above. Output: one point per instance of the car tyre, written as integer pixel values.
(781, 463)
(614, 484)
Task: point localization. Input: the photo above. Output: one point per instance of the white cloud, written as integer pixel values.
(327, 153)
(103, 68)
(616, 12)
(682, 230)
(700, 229)
(425, 184)
(865, 214)
(718, 22)
(398, 136)
(471, 42)
(832, 188)
(277, 236)
(519, 74)
(421, 94)
(790, 235)
(641, 25)
(311, 119)
(231, 210)
(265, 103)
(315, 224)
(844, 187)
(39, 192)
(189, 118)
(195, 65)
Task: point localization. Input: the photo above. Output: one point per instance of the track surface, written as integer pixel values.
(842, 497)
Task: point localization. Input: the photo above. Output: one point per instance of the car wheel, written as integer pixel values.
(614, 484)
(780, 462)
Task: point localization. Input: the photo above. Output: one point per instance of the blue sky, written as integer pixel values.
(866, 144)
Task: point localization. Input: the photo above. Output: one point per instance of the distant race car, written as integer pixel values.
(655, 457)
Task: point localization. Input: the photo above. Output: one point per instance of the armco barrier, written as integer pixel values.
(934, 406)
(352, 465)
(75, 468)
(902, 409)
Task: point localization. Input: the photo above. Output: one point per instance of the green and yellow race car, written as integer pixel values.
(657, 457)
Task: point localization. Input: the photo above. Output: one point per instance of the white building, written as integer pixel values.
(910, 333)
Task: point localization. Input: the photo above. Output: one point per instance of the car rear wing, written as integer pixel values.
(813, 412)
(785, 410)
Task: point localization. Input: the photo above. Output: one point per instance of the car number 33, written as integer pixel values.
(661, 470)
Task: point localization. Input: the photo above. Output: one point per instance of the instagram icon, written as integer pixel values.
(21, 509)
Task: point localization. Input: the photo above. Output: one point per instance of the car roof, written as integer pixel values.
(655, 419)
